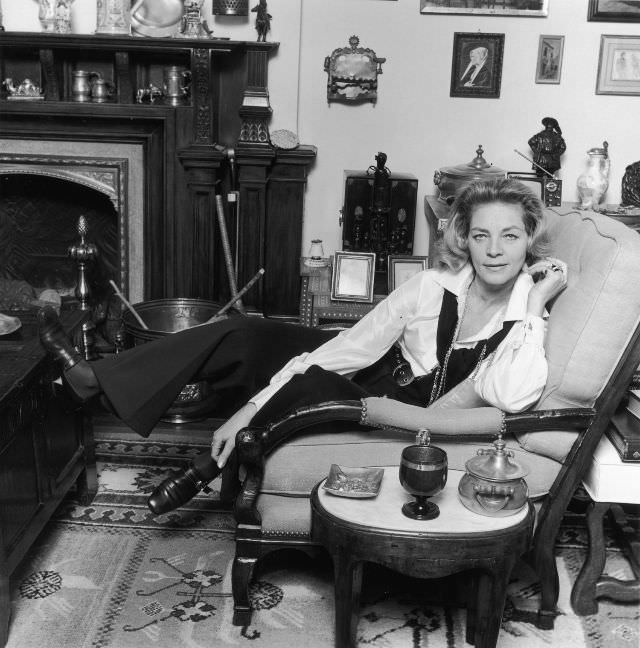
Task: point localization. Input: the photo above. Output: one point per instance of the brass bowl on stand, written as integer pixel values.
(197, 400)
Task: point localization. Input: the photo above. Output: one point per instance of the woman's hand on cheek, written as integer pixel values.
(550, 276)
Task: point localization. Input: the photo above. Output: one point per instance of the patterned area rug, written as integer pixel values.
(111, 574)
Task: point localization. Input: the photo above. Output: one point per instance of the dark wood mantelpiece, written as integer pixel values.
(185, 150)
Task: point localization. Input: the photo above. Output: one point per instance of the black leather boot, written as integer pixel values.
(176, 491)
(55, 340)
(77, 373)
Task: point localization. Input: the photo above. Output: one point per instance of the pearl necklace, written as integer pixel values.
(441, 372)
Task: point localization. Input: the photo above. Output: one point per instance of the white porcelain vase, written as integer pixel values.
(594, 182)
(47, 15)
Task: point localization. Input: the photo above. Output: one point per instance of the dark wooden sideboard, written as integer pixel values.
(46, 446)
(187, 149)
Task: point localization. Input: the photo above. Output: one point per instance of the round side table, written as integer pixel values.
(375, 530)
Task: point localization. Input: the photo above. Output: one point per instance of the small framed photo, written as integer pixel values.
(476, 69)
(549, 65)
(353, 276)
(613, 11)
(402, 267)
(619, 65)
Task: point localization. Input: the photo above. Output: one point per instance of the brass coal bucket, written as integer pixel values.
(197, 400)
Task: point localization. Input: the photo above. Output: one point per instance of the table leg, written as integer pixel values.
(348, 584)
(583, 594)
(491, 592)
(5, 604)
(472, 604)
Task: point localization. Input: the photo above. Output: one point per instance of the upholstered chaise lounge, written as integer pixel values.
(592, 346)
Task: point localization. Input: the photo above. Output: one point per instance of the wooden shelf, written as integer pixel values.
(107, 42)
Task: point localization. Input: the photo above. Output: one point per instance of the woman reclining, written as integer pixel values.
(478, 318)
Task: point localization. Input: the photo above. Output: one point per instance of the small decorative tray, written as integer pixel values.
(353, 482)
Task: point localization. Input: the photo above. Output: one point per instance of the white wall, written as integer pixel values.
(421, 128)
(415, 121)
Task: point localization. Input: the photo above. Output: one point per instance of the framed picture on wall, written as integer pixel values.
(613, 11)
(619, 65)
(353, 276)
(549, 64)
(402, 267)
(522, 8)
(476, 68)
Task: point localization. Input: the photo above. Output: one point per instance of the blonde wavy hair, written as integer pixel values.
(453, 248)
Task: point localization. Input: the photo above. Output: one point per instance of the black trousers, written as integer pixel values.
(238, 356)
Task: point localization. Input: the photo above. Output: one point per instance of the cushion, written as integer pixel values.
(591, 322)
(295, 467)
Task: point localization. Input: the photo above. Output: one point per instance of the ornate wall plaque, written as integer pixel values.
(353, 73)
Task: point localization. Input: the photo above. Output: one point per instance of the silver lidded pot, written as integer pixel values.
(450, 180)
(494, 484)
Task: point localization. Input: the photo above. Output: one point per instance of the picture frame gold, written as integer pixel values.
(476, 66)
(618, 65)
(353, 276)
(401, 267)
(549, 61)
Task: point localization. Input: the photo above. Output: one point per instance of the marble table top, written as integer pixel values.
(384, 510)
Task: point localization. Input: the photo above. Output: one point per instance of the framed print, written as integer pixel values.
(549, 63)
(476, 68)
(353, 276)
(614, 11)
(402, 267)
(619, 65)
(522, 8)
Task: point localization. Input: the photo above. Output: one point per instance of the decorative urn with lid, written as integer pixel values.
(450, 180)
(494, 484)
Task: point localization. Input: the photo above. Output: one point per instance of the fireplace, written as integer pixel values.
(44, 194)
(147, 175)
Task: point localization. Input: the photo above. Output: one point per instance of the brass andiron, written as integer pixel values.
(83, 254)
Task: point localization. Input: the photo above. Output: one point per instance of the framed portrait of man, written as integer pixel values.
(476, 68)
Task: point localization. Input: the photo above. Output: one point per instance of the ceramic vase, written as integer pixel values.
(114, 17)
(594, 182)
(47, 14)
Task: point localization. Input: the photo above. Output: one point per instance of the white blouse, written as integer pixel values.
(511, 378)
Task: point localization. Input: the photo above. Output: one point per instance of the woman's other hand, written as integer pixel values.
(550, 276)
(224, 438)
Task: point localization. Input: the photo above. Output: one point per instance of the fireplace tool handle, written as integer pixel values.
(125, 301)
(227, 253)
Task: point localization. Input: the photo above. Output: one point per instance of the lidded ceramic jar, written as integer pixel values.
(450, 180)
(594, 182)
(494, 484)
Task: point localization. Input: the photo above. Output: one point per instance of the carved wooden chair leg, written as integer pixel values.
(545, 566)
(241, 574)
(583, 594)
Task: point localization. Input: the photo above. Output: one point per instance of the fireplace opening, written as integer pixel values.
(39, 218)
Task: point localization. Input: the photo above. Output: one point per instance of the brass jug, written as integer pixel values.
(176, 85)
(81, 85)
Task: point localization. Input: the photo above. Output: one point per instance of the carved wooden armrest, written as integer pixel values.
(254, 444)
(577, 418)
